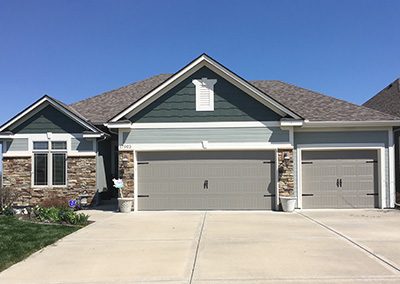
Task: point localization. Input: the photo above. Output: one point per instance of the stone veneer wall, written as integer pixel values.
(285, 174)
(81, 177)
(126, 172)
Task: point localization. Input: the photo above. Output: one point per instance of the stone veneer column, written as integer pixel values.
(126, 171)
(81, 177)
(285, 173)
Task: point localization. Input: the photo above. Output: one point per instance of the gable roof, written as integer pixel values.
(206, 61)
(387, 100)
(70, 112)
(308, 104)
(314, 106)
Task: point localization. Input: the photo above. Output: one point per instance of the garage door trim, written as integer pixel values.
(380, 148)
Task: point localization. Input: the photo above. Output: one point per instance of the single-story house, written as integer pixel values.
(204, 138)
(388, 101)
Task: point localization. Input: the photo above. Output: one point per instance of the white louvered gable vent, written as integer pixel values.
(204, 94)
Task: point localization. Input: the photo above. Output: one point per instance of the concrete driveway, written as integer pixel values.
(341, 246)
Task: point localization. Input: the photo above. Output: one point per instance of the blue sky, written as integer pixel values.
(75, 49)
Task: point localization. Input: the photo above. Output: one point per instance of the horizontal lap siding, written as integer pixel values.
(341, 137)
(46, 120)
(17, 144)
(230, 104)
(217, 135)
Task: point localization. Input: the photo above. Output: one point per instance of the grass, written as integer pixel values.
(19, 239)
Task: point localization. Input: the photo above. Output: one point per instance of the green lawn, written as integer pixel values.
(19, 239)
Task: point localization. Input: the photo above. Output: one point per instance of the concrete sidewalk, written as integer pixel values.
(338, 246)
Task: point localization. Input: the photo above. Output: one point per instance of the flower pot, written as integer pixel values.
(125, 204)
(288, 203)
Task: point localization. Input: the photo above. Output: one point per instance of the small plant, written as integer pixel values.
(60, 215)
(6, 211)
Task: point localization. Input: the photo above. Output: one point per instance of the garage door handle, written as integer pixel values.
(374, 194)
(205, 185)
(340, 182)
(337, 182)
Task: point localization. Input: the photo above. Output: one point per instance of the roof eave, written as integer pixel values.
(365, 123)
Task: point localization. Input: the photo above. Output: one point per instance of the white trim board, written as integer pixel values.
(222, 124)
(367, 123)
(345, 146)
(191, 68)
(200, 146)
(392, 185)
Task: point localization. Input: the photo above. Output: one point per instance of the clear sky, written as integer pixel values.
(75, 49)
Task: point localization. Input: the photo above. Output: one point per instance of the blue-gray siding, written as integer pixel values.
(49, 119)
(18, 144)
(341, 137)
(230, 104)
(81, 145)
(194, 135)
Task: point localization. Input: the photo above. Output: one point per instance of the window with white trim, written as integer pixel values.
(204, 94)
(50, 163)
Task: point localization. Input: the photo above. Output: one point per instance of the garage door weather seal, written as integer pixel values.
(352, 242)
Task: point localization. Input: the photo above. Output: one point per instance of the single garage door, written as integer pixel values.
(209, 180)
(340, 179)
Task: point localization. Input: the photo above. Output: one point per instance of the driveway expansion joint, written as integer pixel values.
(356, 244)
(197, 247)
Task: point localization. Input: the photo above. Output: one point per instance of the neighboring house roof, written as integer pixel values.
(318, 107)
(387, 100)
(67, 110)
(308, 104)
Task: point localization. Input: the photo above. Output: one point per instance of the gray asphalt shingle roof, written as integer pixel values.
(101, 108)
(315, 106)
(387, 100)
(308, 104)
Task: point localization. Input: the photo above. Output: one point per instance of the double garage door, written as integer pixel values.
(340, 179)
(209, 180)
(234, 180)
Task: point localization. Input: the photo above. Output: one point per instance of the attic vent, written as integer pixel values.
(204, 94)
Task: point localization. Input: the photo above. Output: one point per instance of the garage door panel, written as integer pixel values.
(356, 170)
(206, 180)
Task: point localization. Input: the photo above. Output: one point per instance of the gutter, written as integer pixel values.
(366, 123)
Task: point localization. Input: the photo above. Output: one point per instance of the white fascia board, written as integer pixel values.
(373, 123)
(93, 135)
(54, 104)
(225, 124)
(118, 125)
(21, 115)
(6, 137)
(218, 68)
(285, 123)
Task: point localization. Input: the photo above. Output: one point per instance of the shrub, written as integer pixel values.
(60, 215)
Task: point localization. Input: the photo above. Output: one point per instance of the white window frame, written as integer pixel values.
(49, 151)
(209, 85)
